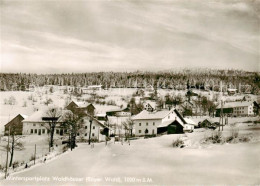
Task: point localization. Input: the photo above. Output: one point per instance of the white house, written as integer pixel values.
(240, 108)
(38, 122)
(153, 123)
(98, 129)
(189, 126)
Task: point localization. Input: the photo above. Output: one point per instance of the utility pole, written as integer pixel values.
(34, 153)
(7, 153)
(89, 136)
(221, 116)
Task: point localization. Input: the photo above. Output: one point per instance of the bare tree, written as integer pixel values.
(73, 123)
(128, 125)
(15, 144)
(53, 115)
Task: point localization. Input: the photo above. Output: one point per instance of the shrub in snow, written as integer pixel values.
(233, 135)
(216, 137)
(244, 139)
(178, 143)
(16, 164)
(65, 148)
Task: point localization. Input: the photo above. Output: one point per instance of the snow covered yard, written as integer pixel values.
(153, 161)
(29, 142)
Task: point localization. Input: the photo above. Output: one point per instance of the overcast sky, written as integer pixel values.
(83, 36)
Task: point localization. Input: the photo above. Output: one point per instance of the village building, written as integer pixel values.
(92, 126)
(81, 107)
(153, 123)
(149, 105)
(189, 126)
(124, 112)
(241, 108)
(38, 123)
(231, 91)
(15, 125)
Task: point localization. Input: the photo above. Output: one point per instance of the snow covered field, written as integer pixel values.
(154, 161)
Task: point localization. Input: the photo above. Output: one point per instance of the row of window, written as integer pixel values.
(140, 124)
(239, 108)
(39, 131)
(42, 131)
(86, 127)
(86, 134)
(146, 131)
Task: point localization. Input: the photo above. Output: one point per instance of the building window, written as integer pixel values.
(57, 131)
(34, 124)
(31, 131)
(35, 131)
(93, 134)
(86, 134)
(153, 123)
(93, 127)
(86, 127)
(140, 131)
(65, 131)
(140, 124)
(147, 124)
(77, 134)
(43, 131)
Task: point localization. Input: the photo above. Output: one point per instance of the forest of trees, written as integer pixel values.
(211, 79)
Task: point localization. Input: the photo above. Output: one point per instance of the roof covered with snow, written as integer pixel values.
(236, 104)
(152, 115)
(82, 104)
(39, 115)
(165, 124)
(189, 121)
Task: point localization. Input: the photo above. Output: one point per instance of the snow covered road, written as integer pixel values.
(148, 162)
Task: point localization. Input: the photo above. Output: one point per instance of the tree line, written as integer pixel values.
(200, 79)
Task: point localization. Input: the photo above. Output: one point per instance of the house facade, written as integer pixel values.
(38, 124)
(153, 123)
(242, 108)
(93, 127)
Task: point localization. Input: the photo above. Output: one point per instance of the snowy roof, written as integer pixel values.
(165, 124)
(101, 115)
(37, 116)
(98, 121)
(236, 104)
(24, 116)
(82, 104)
(232, 89)
(189, 121)
(95, 86)
(152, 115)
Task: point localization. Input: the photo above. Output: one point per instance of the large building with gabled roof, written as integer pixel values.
(153, 123)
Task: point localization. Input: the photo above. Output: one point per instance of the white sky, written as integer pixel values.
(83, 36)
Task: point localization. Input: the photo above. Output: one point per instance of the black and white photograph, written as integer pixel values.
(129, 92)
